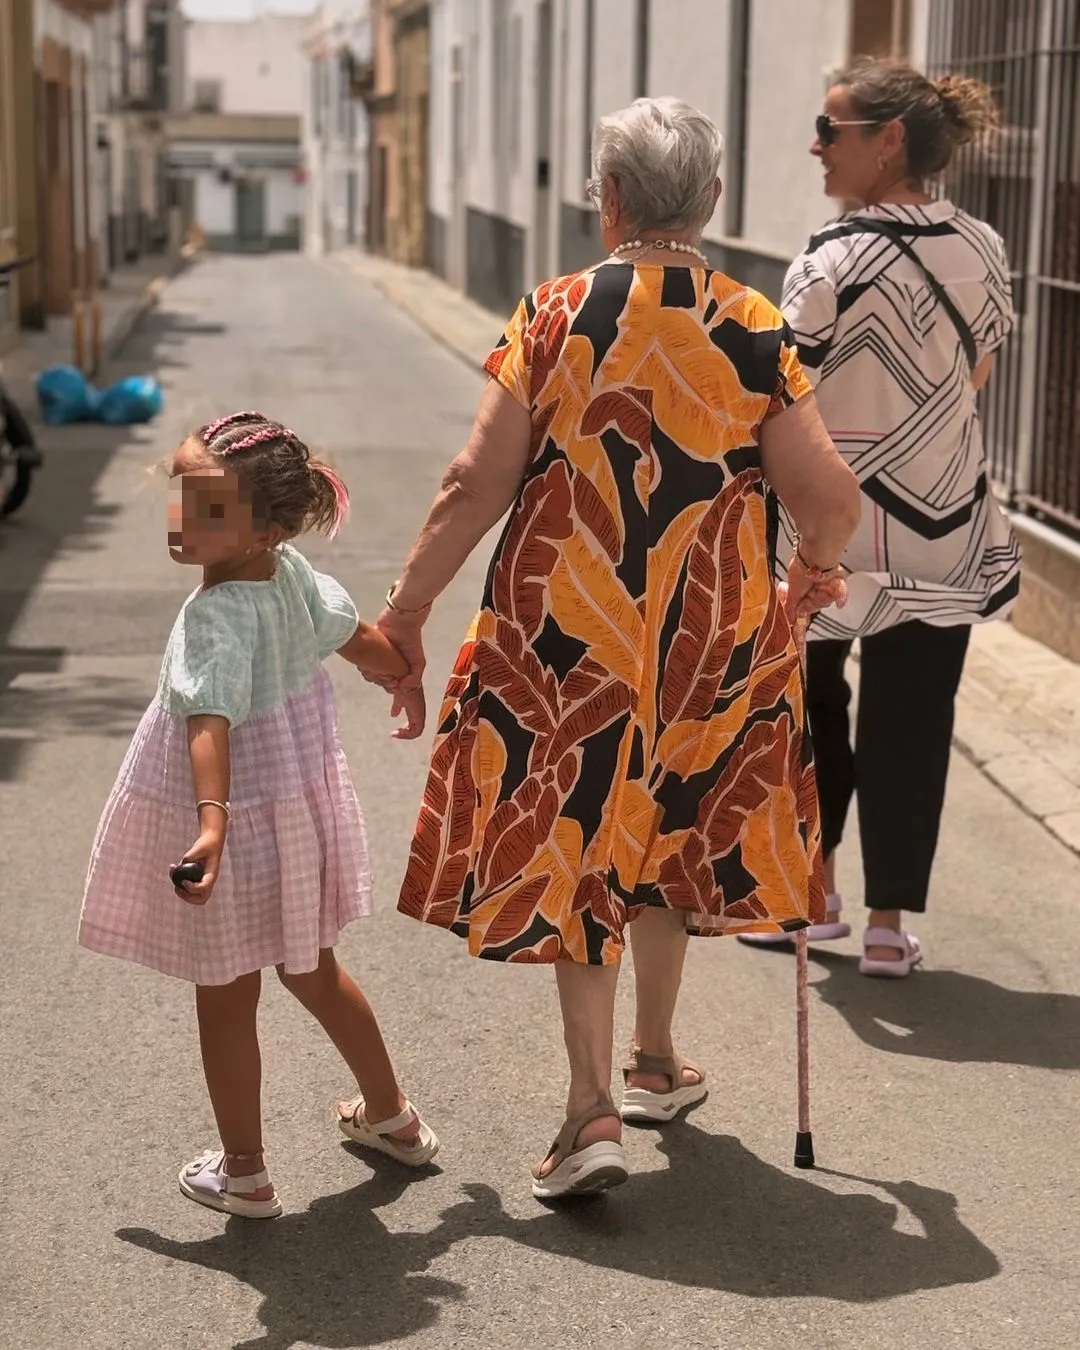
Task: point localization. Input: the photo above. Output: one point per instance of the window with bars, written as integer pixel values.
(1025, 181)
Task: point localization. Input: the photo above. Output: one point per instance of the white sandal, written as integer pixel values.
(640, 1103)
(413, 1153)
(902, 942)
(583, 1171)
(205, 1181)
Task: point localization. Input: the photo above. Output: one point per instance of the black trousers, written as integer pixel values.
(908, 678)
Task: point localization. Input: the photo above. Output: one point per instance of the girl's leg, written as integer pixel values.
(233, 1067)
(335, 1000)
(828, 697)
(908, 680)
(587, 999)
(658, 941)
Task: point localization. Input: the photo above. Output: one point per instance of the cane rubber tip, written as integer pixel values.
(189, 871)
(804, 1150)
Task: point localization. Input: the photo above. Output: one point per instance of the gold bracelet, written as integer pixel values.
(209, 801)
(398, 609)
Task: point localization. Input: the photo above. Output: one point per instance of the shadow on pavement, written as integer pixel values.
(333, 1275)
(950, 1016)
(717, 1218)
(63, 514)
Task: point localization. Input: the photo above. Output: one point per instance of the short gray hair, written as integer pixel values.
(664, 156)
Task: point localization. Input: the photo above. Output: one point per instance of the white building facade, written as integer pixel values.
(236, 145)
(337, 47)
(517, 86)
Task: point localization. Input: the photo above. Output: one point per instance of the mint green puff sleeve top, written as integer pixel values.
(243, 647)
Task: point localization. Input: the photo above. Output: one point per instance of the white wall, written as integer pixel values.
(784, 202)
(215, 203)
(444, 32)
(260, 64)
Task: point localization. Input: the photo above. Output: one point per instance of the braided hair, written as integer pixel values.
(289, 486)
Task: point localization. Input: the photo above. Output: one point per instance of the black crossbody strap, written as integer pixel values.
(967, 339)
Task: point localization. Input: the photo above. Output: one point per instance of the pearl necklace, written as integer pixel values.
(673, 245)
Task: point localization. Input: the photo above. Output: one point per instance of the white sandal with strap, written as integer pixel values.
(640, 1103)
(206, 1181)
(902, 942)
(583, 1171)
(412, 1152)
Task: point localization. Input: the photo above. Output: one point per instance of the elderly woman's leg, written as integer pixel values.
(658, 941)
(587, 999)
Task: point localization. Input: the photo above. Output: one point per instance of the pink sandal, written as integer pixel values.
(817, 932)
(902, 942)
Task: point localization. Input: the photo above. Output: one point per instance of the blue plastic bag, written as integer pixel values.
(136, 399)
(66, 395)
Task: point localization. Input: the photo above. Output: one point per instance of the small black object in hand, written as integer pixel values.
(189, 871)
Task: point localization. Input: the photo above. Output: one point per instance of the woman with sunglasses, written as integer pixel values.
(898, 308)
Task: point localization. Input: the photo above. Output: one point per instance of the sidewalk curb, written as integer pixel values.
(129, 321)
(1004, 771)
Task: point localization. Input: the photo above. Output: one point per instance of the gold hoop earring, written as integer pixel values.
(882, 163)
(607, 220)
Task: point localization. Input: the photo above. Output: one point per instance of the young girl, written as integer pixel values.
(241, 750)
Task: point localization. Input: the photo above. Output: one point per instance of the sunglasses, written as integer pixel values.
(826, 127)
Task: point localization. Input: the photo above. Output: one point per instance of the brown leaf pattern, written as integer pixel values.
(584, 714)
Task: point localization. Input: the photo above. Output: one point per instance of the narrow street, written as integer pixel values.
(946, 1209)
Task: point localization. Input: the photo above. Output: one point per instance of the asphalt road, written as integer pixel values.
(946, 1211)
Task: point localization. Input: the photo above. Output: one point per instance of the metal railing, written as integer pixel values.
(1026, 183)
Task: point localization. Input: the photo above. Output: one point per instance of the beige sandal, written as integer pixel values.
(642, 1104)
(583, 1171)
(412, 1152)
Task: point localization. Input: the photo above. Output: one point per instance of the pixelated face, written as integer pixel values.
(211, 516)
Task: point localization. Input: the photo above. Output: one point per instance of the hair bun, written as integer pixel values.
(969, 105)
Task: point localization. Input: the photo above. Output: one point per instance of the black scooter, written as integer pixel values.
(19, 456)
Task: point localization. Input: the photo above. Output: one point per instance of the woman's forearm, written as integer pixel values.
(479, 488)
(211, 771)
(457, 521)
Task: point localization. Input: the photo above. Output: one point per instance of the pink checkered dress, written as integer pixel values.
(295, 868)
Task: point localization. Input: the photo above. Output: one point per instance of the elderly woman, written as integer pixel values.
(621, 749)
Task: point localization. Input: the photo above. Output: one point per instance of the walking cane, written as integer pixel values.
(804, 1139)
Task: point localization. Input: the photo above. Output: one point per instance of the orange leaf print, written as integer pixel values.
(630, 415)
(542, 518)
(753, 770)
(514, 912)
(516, 829)
(514, 672)
(489, 755)
(561, 861)
(442, 845)
(635, 829)
(686, 879)
(710, 607)
(773, 854)
(594, 513)
(589, 603)
(598, 711)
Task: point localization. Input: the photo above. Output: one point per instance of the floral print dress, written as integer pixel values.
(624, 725)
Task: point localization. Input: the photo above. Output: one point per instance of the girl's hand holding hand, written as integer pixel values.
(207, 850)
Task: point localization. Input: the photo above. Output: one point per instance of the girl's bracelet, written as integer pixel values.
(209, 801)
